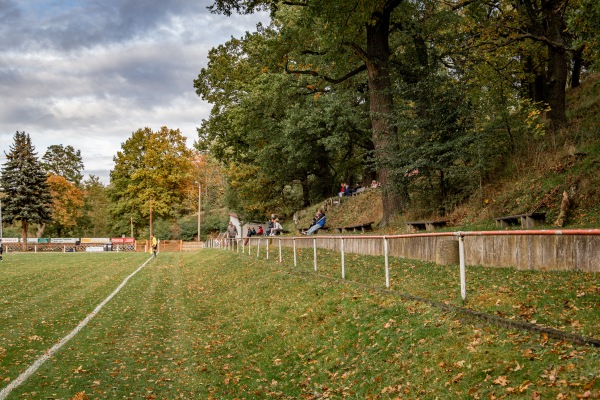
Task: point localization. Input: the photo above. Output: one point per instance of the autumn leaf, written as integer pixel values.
(501, 380)
(458, 378)
(80, 396)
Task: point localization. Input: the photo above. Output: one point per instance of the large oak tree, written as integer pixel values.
(358, 33)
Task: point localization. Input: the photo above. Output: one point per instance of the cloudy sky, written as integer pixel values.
(88, 73)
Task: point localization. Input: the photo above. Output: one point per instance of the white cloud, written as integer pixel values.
(89, 73)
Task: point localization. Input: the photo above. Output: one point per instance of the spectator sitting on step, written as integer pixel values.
(318, 222)
(277, 228)
(270, 226)
(347, 190)
(260, 230)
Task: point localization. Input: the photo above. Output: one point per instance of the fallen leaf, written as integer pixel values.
(501, 380)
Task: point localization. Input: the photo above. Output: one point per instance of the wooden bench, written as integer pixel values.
(362, 227)
(414, 226)
(526, 220)
(302, 230)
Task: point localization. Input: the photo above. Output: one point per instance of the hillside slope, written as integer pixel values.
(532, 181)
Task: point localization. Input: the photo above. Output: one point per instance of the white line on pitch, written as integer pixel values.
(38, 363)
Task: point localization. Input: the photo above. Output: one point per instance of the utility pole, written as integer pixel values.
(199, 207)
(150, 219)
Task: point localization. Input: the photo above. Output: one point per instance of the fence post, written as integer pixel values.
(249, 246)
(295, 263)
(268, 240)
(64, 249)
(343, 264)
(243, 246)
(258, 249)
(463, 277)
(315, 252)
(387, 262)
(280, 259)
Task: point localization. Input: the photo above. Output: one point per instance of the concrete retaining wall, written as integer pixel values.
(525, 252)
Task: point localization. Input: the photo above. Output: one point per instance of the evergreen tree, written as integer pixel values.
(27, 198)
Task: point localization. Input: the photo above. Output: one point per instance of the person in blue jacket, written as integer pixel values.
(318, 223)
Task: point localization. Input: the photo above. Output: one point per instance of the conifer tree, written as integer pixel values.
(27, 198)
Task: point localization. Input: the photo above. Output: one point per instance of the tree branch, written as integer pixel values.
(295, 3)
(349, 75)
(313, 53)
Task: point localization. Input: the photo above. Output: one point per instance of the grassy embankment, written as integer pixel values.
(532, 178)
(214, 324)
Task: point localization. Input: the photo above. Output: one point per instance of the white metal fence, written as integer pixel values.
(550, 246)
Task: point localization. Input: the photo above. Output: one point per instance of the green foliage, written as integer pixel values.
(585, 20)
(284, 131)
(27, 198)
(162, 229)
(150, 165)
(188, 228)
(473, 86)
(212, 221)
(96, 219)
(64, 161)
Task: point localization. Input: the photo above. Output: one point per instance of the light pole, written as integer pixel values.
(199, 205)
(150, 218)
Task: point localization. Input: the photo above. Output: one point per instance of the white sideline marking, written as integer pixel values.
(38, 363)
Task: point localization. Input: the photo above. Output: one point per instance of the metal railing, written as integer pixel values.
(247, 244)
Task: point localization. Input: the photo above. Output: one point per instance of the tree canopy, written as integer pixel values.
(150, 165)
(64, 161)
(426, 96)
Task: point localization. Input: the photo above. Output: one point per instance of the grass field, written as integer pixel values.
(215, 324)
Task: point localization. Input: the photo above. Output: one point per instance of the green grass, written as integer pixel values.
(559, 299)
(215, 324)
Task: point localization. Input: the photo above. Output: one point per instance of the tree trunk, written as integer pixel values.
(557, 64)
(382, 105)
(24, 228)
(40, 230)
(305, 192)
(577, 66)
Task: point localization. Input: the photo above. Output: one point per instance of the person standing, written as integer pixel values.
(1, 250)
(231, 232)
(154, 245)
